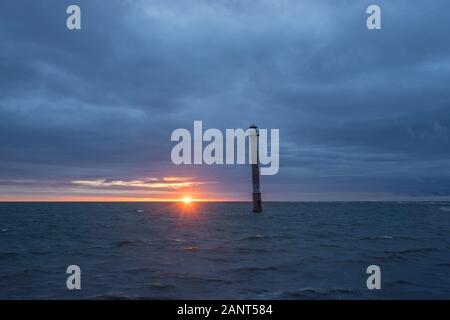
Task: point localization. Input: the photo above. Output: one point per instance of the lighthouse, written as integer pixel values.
(254, 137)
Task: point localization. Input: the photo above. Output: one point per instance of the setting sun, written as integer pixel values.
(187, 199)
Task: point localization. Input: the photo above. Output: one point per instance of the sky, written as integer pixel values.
(86, 115)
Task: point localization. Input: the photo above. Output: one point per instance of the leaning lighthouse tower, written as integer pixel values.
(254, 140)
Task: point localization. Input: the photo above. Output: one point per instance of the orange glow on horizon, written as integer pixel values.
(108, 199)
(170, 188)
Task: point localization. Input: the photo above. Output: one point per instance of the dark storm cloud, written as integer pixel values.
(362, 112)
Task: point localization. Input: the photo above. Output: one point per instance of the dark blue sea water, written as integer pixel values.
(222, 250)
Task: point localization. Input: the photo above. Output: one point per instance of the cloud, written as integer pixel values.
(152, 183)
(354, 107)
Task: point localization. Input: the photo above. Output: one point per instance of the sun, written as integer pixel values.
(187, 199)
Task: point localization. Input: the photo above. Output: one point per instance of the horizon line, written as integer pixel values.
(206, 201)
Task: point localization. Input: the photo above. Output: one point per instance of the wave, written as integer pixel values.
(190, 249)
(142, 270)
(310, 292)
(164, 286)
(397, 283)
(419, 250)
(377, 238)
(24, 272)
(8, 254)
(217, 280)
(329, 245)
(263, 237)
(255, 237)
(111, 297)
(444, 264)
(196, 277)
(403, 254)
(253, 269)
(445, 209)
(251, 250)
(124, 243)
(386, 237)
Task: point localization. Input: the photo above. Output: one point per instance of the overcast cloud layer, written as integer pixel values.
(362, 114)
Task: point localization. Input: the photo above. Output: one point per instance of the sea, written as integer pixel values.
(292, 250)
